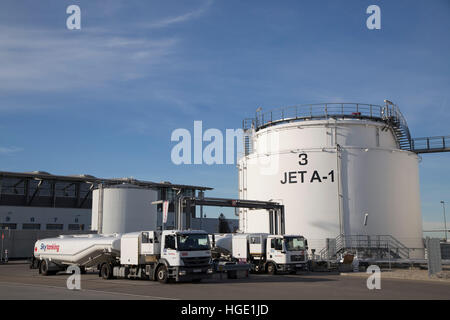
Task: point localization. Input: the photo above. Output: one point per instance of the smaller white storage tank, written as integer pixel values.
(123, 208)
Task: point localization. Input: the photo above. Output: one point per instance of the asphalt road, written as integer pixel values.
(17, 281)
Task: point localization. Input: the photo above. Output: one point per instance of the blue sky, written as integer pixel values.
(104, 100)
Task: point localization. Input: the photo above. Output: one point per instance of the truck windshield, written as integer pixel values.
(192, 242)
(294, 244)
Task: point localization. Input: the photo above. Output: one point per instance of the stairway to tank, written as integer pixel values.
(416, 145)
(365, 246)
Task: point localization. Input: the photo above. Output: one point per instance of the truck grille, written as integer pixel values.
(299, 257)
(196, 261)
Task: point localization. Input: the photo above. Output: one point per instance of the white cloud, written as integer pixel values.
(45, 60)
(181, 18)
(9, 150)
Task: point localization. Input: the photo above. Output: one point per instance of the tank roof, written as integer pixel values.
(388, 113)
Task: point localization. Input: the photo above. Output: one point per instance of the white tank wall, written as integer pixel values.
(125, 209)
(372, 176)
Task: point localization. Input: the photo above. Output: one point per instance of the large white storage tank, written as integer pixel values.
(123, 208)
(339, 169)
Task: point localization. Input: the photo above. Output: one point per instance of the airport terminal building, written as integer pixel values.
(37, 204)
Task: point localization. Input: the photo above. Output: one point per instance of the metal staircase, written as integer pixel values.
(247, 144)
(394, 118)
(418, 145)
(375, 246)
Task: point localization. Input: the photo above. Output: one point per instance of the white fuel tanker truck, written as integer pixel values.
(155, 255)
(264, 252)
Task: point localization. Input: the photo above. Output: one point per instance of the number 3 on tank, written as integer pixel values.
(303, 159)
(73, 22)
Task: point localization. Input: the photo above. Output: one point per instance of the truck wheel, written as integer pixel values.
(43, 268)
(106, 271)
(271, 268)
(161, 274)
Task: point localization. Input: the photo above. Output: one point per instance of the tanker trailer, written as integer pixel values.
(56, 254)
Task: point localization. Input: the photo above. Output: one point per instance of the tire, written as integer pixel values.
(43, 268)
(106, 271)
(271, 268)
(162, 275)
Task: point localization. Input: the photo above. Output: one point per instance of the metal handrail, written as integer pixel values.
(388, 242)
(388, 113)
(430, 144)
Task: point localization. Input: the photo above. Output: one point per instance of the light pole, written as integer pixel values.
(445, 220)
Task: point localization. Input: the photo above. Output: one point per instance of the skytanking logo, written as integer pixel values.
(50, 247)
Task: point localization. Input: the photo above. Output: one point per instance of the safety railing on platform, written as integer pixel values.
(430, 144)
(389, 113)
(383, 244)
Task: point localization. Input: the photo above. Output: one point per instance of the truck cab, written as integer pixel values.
(162, 255)
(287, 253)
(187, 254)
(271, 253)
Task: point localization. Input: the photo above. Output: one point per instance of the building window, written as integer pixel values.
(31, 226)
(76, 219)
(74, 227)
(13, 186)
(65, 189)
(8, 225)
(32, 219)
(54, 226)
(255, 240)
(7, 219)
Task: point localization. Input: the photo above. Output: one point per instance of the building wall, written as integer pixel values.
(211, 225)
(20, 243)
(71, 219)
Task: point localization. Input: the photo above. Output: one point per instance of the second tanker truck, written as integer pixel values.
(264, 252)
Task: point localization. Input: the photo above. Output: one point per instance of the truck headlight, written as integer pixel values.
(210, 271)
(182, 273)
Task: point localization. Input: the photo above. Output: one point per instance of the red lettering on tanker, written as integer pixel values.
(52, 247)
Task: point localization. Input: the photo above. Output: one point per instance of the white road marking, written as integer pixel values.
(84, 290)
